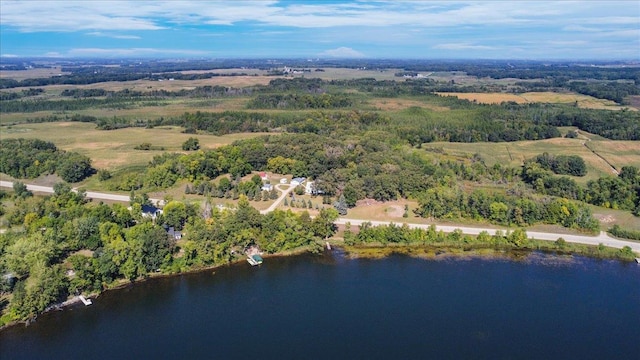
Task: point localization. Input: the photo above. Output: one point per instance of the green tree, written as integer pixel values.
(323, 225)
(20, 190)
(341, 206)
(174, 214)
(191, 144)
(74, 167)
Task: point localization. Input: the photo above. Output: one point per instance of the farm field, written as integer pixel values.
(584, 101)
(113, 149)
(31, 73)
(618, 153)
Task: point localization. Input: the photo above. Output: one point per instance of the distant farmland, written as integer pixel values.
(584, 101)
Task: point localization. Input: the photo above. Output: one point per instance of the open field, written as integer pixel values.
(394, 104)
(113, 149)
(254, 77)
(31, 73)
(618, 153)
(584, 101)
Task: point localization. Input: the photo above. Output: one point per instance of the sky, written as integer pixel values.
(567, 30)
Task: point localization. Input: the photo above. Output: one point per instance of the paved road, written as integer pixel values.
(89, 194)
(603, 238)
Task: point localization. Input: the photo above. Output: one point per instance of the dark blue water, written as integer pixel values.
(330, 307)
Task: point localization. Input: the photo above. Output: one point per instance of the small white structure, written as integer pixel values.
(267, 187)
(309, 188)
(283, 181)
(85, 301)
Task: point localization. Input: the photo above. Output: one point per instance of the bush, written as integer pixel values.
(191, 144)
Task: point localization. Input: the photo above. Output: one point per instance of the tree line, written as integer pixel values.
(30, 158)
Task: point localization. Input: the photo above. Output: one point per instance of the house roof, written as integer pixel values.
(172, 232)
(298, 180)
(149, 209)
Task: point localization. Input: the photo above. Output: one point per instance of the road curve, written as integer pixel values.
(603, 238)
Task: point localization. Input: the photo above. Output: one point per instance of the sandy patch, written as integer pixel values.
(395, 211)
(605, 219)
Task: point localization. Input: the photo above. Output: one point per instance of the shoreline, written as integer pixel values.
(73, 300)
(360, 251)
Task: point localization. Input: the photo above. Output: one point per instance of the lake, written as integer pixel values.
(309, 306)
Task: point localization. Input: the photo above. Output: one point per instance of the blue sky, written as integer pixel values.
(581, 30)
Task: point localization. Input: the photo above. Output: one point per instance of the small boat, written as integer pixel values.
(638, 260)
(254, 260)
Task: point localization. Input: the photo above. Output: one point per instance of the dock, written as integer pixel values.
(638, 261)
(254, 260)
(85, 301)
(328, 246)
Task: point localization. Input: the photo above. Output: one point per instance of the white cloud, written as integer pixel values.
(9, 56)
(114, 36)
(463, 46)
(342, 52)
(30, 16)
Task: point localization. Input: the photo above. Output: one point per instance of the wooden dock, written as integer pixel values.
(85, 301)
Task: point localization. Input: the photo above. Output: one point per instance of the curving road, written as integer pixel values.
(603, 238)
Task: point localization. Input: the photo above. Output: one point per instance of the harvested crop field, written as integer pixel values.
(584, 101)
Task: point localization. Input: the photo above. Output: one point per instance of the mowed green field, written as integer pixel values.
(114, 149)
(618, 153)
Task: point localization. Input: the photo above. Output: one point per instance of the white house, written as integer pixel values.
(283, 181)
(267, 187)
